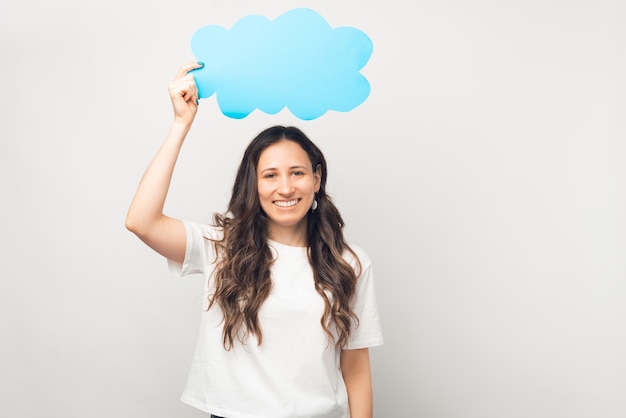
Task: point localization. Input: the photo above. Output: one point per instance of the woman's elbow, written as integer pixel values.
(133, 223)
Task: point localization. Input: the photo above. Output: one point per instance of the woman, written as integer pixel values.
(290, 309)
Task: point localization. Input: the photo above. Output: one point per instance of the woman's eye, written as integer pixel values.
(298, 173)
(270, 176)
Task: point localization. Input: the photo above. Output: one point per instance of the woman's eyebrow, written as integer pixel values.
(290, 168)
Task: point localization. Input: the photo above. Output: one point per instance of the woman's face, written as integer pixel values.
(287, 185)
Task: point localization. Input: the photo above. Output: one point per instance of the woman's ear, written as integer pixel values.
(318, 177)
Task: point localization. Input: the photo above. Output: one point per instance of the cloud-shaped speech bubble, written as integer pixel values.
(296, 61)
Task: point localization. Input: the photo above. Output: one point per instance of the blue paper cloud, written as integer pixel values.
(296, 61)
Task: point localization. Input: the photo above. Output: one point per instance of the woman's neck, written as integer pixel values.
(293, 237)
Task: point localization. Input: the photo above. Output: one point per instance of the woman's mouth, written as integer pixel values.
(286, 203)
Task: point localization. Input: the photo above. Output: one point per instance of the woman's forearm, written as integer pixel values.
(147, 205)
(355, 367)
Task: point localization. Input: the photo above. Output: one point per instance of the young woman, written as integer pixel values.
(290, 309)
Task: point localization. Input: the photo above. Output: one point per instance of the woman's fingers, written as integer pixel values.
(190, 94)
(184, 70)
(184, 92)
(183, 85)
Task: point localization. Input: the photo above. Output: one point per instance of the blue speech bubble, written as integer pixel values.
(296, 61)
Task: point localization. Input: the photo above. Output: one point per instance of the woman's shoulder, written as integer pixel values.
(360, 253)
(207, 230)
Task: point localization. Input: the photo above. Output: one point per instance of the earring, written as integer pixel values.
(314, 205)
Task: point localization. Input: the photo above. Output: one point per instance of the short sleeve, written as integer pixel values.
(368, 333)
(198, 252)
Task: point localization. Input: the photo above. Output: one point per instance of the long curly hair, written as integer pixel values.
(243, 267)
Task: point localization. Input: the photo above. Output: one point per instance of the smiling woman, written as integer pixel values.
(291, 310)
(287, 186)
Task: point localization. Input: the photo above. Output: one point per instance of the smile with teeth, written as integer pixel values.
(286, 203)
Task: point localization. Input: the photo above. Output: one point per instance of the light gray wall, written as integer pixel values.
(484, 175)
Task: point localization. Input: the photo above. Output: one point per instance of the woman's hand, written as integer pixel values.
(184, 94)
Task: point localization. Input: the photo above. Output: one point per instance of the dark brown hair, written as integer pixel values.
(243, 270)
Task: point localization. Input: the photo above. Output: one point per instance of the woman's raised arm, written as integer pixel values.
(145, 216)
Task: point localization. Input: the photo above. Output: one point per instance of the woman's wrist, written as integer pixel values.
(180, 126)
(182, 123)
(178, 132)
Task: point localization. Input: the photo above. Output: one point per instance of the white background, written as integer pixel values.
(484, 176)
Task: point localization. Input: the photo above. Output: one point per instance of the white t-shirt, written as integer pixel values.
(296, 372)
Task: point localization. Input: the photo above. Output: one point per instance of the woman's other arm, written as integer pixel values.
(355, 367)
(145, 216)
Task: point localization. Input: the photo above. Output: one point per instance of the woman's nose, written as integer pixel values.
(285, 187)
